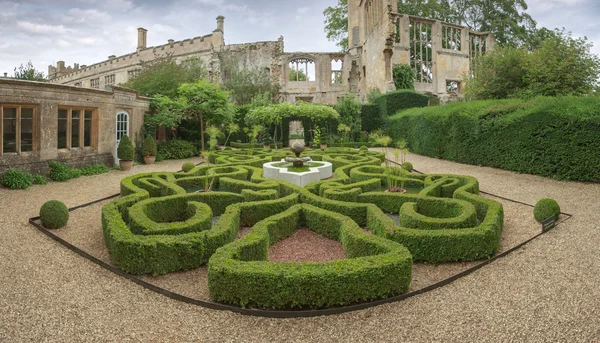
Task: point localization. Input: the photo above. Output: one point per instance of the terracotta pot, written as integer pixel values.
(323, 145)
(266, 146)
(125, 165)
(149, 159)
(220, 147)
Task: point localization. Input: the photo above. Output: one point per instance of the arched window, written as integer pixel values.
(302, 70)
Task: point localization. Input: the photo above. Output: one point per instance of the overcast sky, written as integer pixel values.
(88, 31)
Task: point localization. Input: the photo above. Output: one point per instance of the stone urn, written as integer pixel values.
(149, 159)
(323, 145)
(297, 148)
(125, 165)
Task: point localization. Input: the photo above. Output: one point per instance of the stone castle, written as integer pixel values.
(379, 38)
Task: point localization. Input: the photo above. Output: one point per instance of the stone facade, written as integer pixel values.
(379, 38)
(42, 122)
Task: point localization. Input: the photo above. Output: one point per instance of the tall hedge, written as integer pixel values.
(373, 115)
(554, 137)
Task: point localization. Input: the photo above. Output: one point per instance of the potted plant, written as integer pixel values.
(149, 150)
(125, 153)
(324, 139)
(266, 140)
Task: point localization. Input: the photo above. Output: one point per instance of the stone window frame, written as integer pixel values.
(93, 132)
(298, 61)
(109, 80)
(35, 139)
(337, 75)
(95, 83)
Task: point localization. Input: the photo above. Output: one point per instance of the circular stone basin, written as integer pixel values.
(277, 170)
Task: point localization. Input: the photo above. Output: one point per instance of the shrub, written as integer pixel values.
(555, 137)
(17, 179)
(125, 149)
(39, 179)
(94, 169)
(404, 76)
(54, 214)
(407, 166)
(370, 117)
(61, 172)
(187, 166)
(176, 149)
(392, 102)
(546, 208)
(149, 146)
(363, 148)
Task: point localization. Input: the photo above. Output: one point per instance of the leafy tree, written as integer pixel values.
(231, 129)
(206, 102)
(163, 76)
(298, 75)
(245, 84)
(165, 112)
(336, 24)
(561, 65)
(404, 76)
(349, 109)
(28, 72)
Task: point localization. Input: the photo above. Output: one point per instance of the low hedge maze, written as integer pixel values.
(162, 224)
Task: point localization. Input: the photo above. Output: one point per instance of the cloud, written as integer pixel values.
(84, 15)
(41, 28)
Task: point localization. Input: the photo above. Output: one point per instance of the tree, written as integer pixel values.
(349, 109)
(205, 101)
(245, 84)
(298, 75)
(336, 24)
(561, 65)
(28, 72)
(163, 76)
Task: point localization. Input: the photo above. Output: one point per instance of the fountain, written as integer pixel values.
(316, 171)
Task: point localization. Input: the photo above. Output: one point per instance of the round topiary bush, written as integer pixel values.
(125, 149)
(149, 146)
(546, 208)
(363, 148)
(407, 166)
(187, 166)
(54, 214)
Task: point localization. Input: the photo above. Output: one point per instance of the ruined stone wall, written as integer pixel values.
(47, 98)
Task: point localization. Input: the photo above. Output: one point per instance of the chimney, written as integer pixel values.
(60, 66)
(220, 23)
(141, 38)
(171, 41)
(75, 66)
(5, 74)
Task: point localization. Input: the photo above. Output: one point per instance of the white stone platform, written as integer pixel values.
(301, 179)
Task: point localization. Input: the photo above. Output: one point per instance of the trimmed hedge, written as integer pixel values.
(370, 116)
(546, 208)
(54, 214)
(156, 227)
(376, 268)
(554, 137)
(392, 102)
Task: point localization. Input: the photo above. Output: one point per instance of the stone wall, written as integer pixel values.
(46, 100)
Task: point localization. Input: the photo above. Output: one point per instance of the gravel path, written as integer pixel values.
(548, 291)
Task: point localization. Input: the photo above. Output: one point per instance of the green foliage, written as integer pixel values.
(187, 166)
(54, 214)
(349, 109)
(555, 137)
(16, 179)
(298, 75)
(373, 94)
(162, 76)
(407, 166)
(392, 102)
(28, 72)
(231, 128)
(245, 84)
(274, 114)
(336, 24)
(546, 208)
(61, 172)
(363, 148)
(214, 133)
(176, 149)
(165, 112)
(94, 169)
(370, 117)
(125, 149)
(149, 147)
(404, 76)
(39, 179)
(561, 65)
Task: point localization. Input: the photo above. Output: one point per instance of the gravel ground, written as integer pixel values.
(545, 292)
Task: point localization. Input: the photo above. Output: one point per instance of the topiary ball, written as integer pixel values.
(546, 208)
(363, 148)
(187, 166)
(407, 166)
(54, 214)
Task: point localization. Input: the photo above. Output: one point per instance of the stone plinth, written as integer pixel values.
(301, 179)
